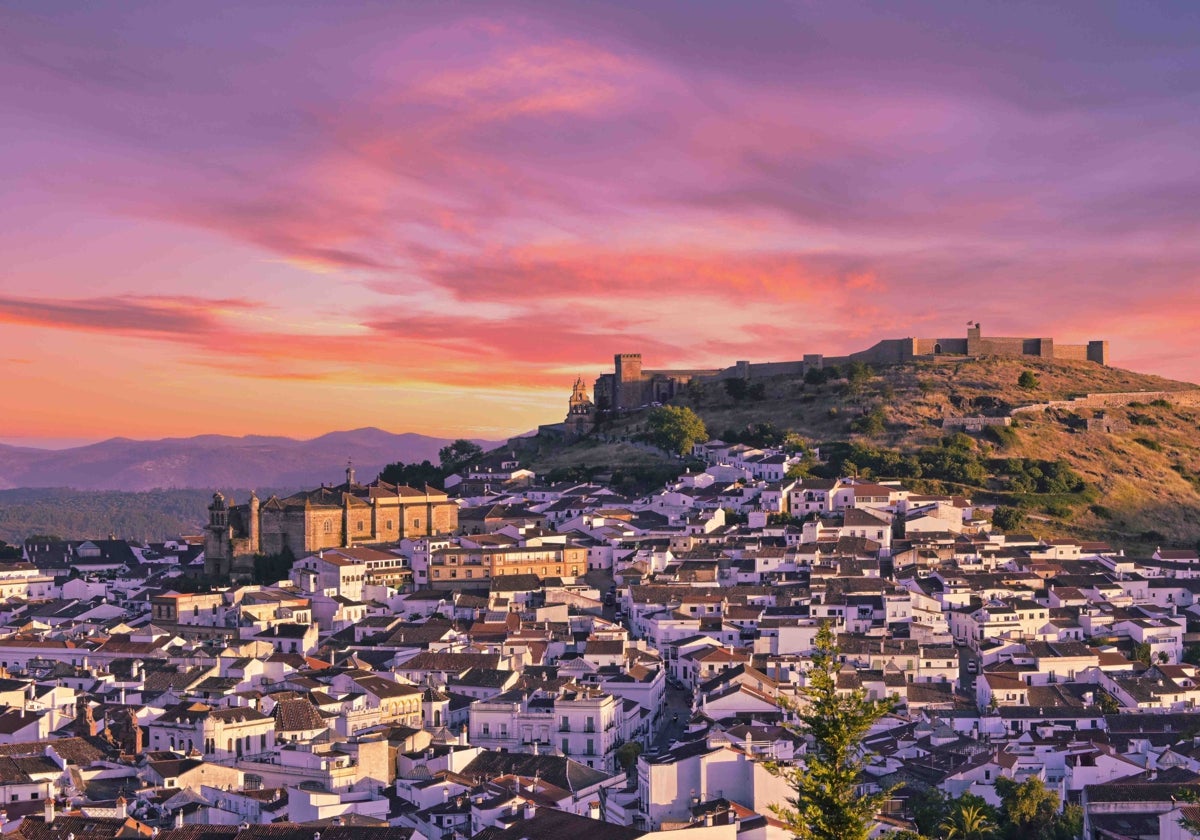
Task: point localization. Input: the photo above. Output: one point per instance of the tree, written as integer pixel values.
(9, 552)
(458, 454)
(1029, 810)
(1008, 518)
(1028, 380)
(627, 754)
(826, 803)
(413, 475)
(1142, 652)
(737, 389)
(676, 428)
(969, 821)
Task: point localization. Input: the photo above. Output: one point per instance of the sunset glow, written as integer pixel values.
(291, 218)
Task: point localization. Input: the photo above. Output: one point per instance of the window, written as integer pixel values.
(486, 729)
(358, 526)
(416, 523)
(328, 527)
(566, 748)
(389, 525)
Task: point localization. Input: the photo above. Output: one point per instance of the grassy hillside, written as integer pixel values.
(1143, 483)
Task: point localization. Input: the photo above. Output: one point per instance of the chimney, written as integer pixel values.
(530, 810)
(49, 812)
(179, 819)
(593, 810)
(446, 794)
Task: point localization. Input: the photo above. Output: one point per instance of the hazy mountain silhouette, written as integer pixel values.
(215, 461)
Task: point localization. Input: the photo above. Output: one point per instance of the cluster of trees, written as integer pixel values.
(955, 459)
(451, 458)
(1027, 475)
(1028, 811)
(741, 390)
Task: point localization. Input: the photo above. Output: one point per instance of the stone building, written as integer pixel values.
(327, 517)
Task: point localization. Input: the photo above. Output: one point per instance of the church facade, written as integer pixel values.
(327, 517)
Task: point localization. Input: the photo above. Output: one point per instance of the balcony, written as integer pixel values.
(565, 727)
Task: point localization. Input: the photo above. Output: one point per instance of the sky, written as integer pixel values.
(294, 217)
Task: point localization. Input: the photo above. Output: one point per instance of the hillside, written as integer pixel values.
(214, 461)
(89, 514)
(1143, 478)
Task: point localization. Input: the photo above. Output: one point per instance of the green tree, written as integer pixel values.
(456, 455)
(1008, 518)
(737, 389)
(627, 755)
(1107, 703)
(9, 552)
(676, 428)
(826, 803)
(1142, 653)
(1028, 810)
(1028, 380)
(969, 821)
(930, 808)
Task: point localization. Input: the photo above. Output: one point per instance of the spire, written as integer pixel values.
(349, 472)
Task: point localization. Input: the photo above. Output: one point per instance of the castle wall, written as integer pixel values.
(890, 351)
(935, 346)
(1071, 352)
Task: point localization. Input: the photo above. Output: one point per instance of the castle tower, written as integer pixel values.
(349, 473)
(974, 339)
(627, 370)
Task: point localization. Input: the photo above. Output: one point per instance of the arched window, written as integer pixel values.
(328, 527)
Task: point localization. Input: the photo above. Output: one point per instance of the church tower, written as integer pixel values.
(581, 412)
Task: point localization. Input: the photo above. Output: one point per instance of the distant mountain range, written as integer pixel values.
(211, 461)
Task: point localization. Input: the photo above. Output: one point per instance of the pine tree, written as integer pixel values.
(826, 803)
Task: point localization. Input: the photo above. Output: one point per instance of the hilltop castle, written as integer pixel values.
(630, 386)
(328, 517)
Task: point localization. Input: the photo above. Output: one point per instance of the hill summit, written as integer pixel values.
(1131, 437)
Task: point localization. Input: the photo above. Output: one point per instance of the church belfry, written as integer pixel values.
(581, 412)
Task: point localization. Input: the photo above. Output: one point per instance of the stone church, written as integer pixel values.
(327, 517)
